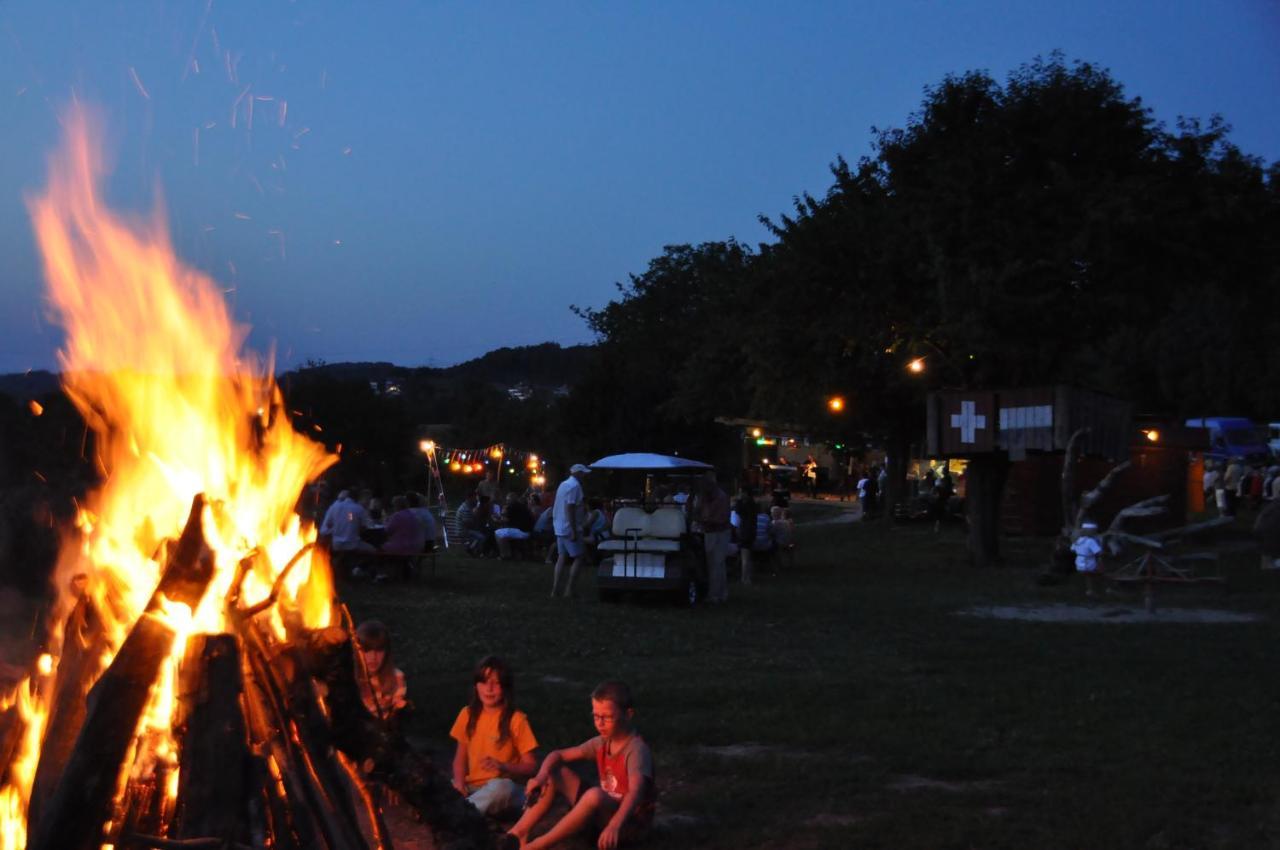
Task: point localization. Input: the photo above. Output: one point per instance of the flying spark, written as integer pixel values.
(142, 90)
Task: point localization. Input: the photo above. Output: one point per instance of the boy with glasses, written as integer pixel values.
(622, 805)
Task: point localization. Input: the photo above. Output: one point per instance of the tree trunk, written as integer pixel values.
(984, 486)
(897, 470)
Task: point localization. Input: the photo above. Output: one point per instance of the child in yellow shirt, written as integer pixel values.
(495, 744)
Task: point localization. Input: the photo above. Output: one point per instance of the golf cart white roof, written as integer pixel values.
(648, 462)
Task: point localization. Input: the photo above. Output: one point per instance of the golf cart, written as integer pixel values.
(650, 548)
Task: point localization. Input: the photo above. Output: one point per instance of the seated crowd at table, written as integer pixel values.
(365, 541)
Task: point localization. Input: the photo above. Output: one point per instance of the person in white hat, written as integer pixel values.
(1087, 549)
(566, 520)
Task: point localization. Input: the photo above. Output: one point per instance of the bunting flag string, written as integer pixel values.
(498, 457)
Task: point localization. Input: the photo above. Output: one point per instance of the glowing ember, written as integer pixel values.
(153, 362)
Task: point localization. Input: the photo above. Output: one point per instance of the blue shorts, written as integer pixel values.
(569, 548)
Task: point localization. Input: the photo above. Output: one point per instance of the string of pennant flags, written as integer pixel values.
(478, 460)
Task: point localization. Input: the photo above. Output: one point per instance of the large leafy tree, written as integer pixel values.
(669, 356)
(1047, 230)
(1044, 230)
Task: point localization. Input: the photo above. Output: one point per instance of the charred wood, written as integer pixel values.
(455, 823)
(12, 728)
(81, 802)
(212, 786)
(83, 643)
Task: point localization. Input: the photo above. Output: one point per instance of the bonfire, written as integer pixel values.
(199, 689)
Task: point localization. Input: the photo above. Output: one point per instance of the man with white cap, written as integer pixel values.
(566, 520)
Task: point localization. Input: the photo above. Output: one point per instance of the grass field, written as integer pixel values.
(846, 703)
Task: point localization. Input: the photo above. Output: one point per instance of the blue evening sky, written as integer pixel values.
(448, 178)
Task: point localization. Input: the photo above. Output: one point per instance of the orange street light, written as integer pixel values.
(916, 366)
(1153, 435)
(835, 404)
(427, 447)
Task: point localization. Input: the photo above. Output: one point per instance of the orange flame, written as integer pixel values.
(153, 362)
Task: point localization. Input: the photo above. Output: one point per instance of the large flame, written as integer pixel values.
(153, 361)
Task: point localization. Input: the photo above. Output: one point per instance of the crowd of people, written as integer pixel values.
(357, 530)
(564, 527)
(1228, 485)
(496, 766)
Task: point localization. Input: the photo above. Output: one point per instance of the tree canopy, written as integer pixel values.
(1043, 230)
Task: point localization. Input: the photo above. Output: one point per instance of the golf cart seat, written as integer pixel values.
(637, 531)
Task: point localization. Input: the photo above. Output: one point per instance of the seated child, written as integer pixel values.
(622, 806)
(495, 743)
(382, 686)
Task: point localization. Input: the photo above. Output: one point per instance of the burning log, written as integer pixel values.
(83, 643)
(81, 802)
(284, 722)
(212, 781)
(12, 728)
(455, 823)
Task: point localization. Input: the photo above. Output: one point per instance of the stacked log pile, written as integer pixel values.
(275, 746)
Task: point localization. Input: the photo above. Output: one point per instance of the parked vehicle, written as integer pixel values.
(650, 548)
(1273, 438)
(1234, 437)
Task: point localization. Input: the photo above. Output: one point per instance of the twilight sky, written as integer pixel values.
(448, 178)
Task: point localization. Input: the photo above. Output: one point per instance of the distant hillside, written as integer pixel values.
(28, 385)
(546, 365)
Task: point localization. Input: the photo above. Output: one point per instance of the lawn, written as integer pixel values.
(848, 703)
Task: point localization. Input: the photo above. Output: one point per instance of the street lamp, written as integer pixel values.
(835, 404)
(427, 447)
(916, 366)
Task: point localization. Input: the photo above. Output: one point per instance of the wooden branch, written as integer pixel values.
(291, 822)
(83, 643)
(277, 585)
(12, 729)
(381, 835)
(1068, 483)
(309, 774)
(1193, 528)
(81, 801)
(1147, 507)
(1091, 498)
(454, 822)
(158, 843)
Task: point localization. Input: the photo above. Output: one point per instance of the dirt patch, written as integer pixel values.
(1064, 613)
(924, 783)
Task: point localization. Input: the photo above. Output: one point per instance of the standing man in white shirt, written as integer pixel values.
(566, 520)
